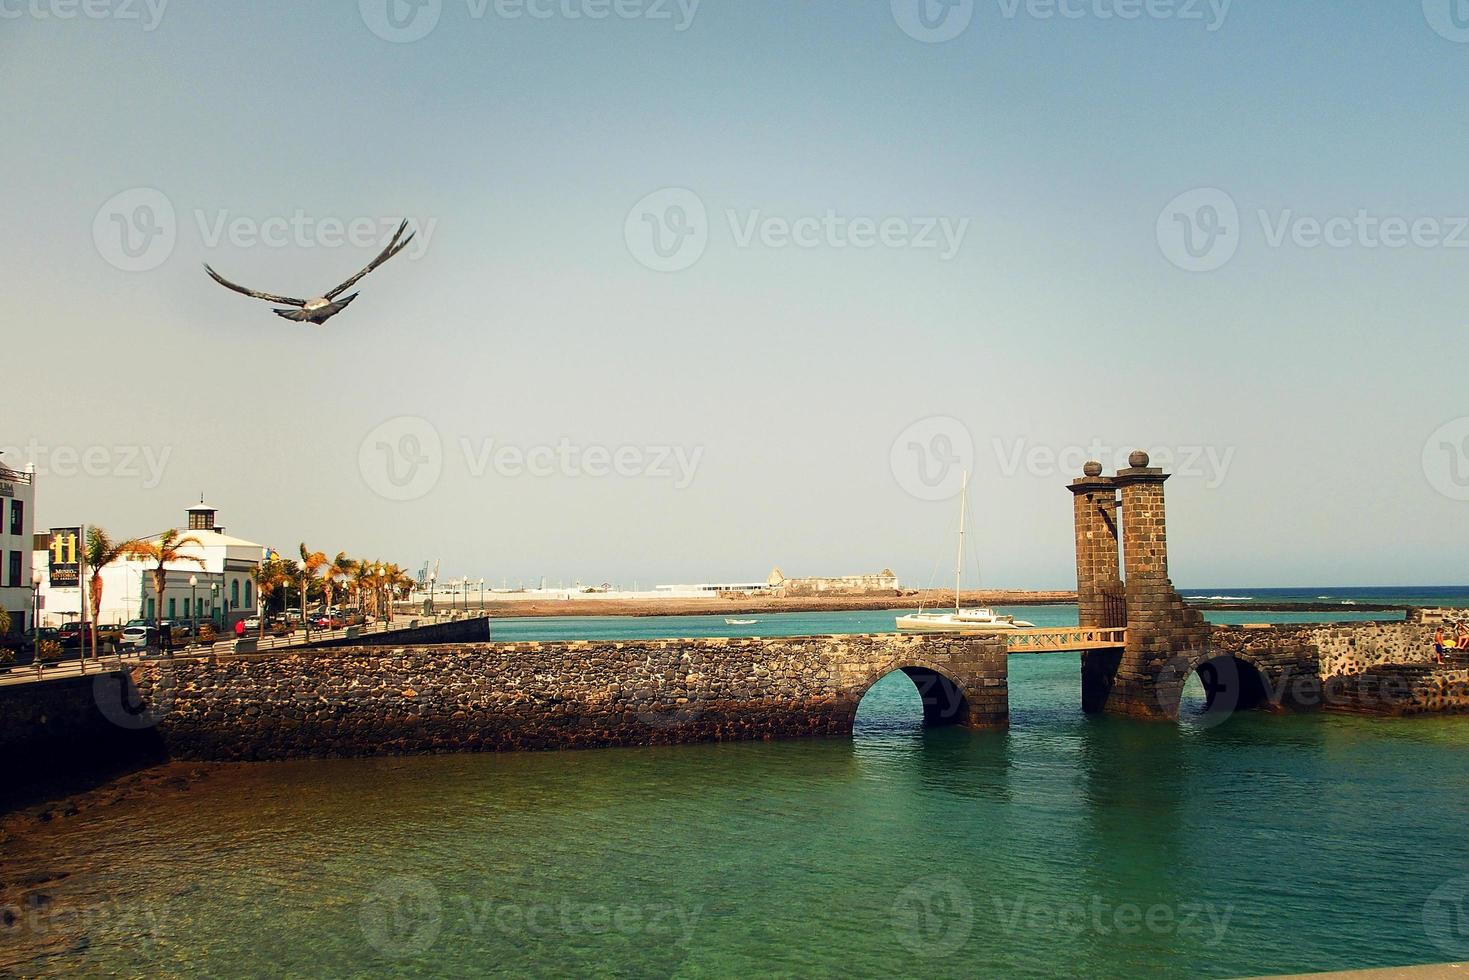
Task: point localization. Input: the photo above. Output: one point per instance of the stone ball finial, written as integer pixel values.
(1092, 468)
(1139, 460)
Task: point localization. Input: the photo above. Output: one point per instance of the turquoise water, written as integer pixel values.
(822, 623)
(1066, 846)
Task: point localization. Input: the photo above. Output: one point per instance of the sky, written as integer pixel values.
(704, 288)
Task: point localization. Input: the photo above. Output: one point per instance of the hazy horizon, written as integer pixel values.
(746, 285)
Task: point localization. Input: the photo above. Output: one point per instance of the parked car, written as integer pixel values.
(69, 635)
(138, 637)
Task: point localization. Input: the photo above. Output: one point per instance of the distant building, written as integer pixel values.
(778, 585)
(883, 581)
(223, 594)
(17, 525)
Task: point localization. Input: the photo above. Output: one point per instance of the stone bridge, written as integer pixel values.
(487, 697)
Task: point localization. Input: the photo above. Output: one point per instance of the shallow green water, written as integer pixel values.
(1069, 845)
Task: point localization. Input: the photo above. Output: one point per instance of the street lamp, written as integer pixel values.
(36, 612)
(214, 603)
(432, 578)
(481, 595)
(193, 609)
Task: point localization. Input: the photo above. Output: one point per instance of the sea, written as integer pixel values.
(1066, 846)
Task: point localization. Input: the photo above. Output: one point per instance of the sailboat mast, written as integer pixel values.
(959, 562)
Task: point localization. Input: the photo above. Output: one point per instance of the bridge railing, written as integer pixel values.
(1065, 640)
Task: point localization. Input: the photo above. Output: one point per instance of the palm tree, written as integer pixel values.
(311, 563)
(101, 552)
(339, 567)
(162, 550)
(4, 621)
(361, 580)
(269, 576)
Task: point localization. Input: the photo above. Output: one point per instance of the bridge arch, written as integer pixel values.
(1231, 680)
(943, 696)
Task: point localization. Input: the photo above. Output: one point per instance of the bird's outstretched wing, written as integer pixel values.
(268, 297)
(394, 247)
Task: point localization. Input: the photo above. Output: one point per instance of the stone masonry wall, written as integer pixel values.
(1367, 668)
(491, 697)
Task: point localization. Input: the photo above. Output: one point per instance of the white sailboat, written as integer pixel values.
(961, 620)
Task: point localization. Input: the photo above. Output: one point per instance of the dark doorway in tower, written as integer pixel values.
(1222, 686)
(908, 700)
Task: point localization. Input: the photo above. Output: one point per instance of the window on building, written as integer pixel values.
(249, 595)
(17, 516)
(173, 609)
(235, 594)
(15, 582)
(152, 609)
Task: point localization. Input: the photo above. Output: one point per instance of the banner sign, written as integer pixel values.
(66, 557)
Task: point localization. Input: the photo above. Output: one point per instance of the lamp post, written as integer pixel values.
(481, 595)
(193, 609)
(432, 578)
(36, 612)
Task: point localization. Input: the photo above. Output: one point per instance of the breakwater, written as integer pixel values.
(528, 696)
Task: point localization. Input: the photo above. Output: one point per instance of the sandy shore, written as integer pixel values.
(593, 606)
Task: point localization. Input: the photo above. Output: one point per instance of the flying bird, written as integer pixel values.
(322, 308)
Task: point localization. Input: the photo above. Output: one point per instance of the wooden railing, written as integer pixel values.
(1065, 640)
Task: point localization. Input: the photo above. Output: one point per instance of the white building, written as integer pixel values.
(17, 525)
(216, 588)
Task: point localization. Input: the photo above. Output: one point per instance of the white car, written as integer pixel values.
(139, 637)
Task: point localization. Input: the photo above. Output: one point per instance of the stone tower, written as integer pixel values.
(1164, 635)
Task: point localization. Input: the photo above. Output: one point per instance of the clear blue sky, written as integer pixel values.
(525, 144)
